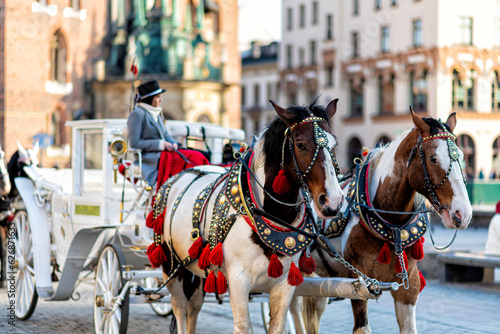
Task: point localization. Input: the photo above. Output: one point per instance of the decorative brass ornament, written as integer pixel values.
(420, 223)
(267, 231)
(404, 235)
(290, 242)
(237, 199)
(234, 190)
(301, 238)
(414, 230)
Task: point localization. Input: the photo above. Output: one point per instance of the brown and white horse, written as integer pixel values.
(425, 162)
(246, 257)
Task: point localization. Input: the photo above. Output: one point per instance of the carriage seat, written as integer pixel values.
(463, 266)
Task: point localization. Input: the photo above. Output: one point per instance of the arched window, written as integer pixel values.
(463, 91)
(58, 57)
(355, 150)
(386, 94)
(466, 144)
(356, 92)
(495, 92)
(382, 141)
(418, 91)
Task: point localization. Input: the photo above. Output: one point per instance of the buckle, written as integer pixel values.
(195, 233)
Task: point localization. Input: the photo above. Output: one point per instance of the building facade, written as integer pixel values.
(381, 56)
(47, 49)
(259, 84)
(189, 46)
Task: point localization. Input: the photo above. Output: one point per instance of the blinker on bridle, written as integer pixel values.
(452, 153)
(321, 141)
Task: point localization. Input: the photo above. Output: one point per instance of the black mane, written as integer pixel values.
(436, 125)
(275, 134)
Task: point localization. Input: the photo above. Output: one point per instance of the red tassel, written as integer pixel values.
(385, 254)
(156, 256)
(211, 283)
(216, 256)
(157, 224)
(281, 184)
(275, 268)
(150, 249)
(307, 264)
(196, 248)
(417, 250)
(149, 219)
(221, 283)
(397, 266)
(422, 281)
(204, 261)
(294, 276)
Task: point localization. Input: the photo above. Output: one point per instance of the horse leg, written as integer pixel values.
(238, 297)
(179, 303)
(296, 308)
(405, 302)
(195, 301)
(360, 312)
(279, 302)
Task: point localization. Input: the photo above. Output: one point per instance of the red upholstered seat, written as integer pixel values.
(172, 163)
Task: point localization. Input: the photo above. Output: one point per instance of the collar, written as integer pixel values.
(154, 111)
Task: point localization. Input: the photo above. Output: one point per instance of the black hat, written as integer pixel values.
(150, 88)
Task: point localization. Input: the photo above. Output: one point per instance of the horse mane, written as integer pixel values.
(274, 135)
(436, 125)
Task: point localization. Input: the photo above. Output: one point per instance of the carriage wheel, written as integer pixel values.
(290, 325)
(161, 309)
(108, 285)
(26, 296)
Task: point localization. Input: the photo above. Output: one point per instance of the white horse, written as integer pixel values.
(296, 149)
(4, 175)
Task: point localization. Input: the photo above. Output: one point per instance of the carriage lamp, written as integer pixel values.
(118, 147)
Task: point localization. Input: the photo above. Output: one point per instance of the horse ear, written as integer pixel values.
(419, 122)
(36, 148)
(285, 115)
(452, 121)
(23, 154)
(331, 108)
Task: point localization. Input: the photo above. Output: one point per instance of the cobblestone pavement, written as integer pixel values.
(441, 309)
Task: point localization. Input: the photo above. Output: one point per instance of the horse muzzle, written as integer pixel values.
(326, 209)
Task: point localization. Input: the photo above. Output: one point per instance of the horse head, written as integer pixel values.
(434, 170)
(28, 157)
(5, 184)
(299, 144)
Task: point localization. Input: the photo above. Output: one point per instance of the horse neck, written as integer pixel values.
(389, 187)
(286, 213)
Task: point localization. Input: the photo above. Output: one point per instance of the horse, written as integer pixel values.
(9, 193)
(244, 244)
(380, 227)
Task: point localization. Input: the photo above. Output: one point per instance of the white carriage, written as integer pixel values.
(89, 222)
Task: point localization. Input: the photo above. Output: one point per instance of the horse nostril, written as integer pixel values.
(330, 213)
(457, 219)
(322, 200)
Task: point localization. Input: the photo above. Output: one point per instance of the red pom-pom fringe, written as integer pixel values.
(422, 281)
(211, 283)
(221, 283)
(149, 219)
(196, 248)
(281, 184)
(307, 264)
(385, 254)
(204, 261)
(294, 276)
(156, 255)
(417, 250)
(275, 268)
(397, 266)
(217, 256)
(157, 224)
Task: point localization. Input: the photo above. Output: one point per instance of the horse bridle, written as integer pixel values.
(321, 141)
(453, 153)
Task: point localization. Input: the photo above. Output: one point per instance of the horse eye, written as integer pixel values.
(301, 147)
(434, 160)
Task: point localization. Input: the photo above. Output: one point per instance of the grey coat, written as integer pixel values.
(145, 133)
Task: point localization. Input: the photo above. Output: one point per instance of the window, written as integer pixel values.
(495, 92)
(289, 56)
(497, 33)
(75, 4)
(465, 30)
(386, 95)
(243, 96)
(355, 150)
(378, 4)
(58, 55)
(43, 2)
(355, 7)
(301, 57)
(315, 13)
(329, 27)
(302, 16)
(256, 95)
(355, 44)
(394, 2)
(312, 47)
(495, 172)
(417, 33)
(269, 91)
(466, 145)
(418, 92)
(356, 94)
(92, 162)
(463, 91)
(385, 42)
(329, 76)
(289, 20)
